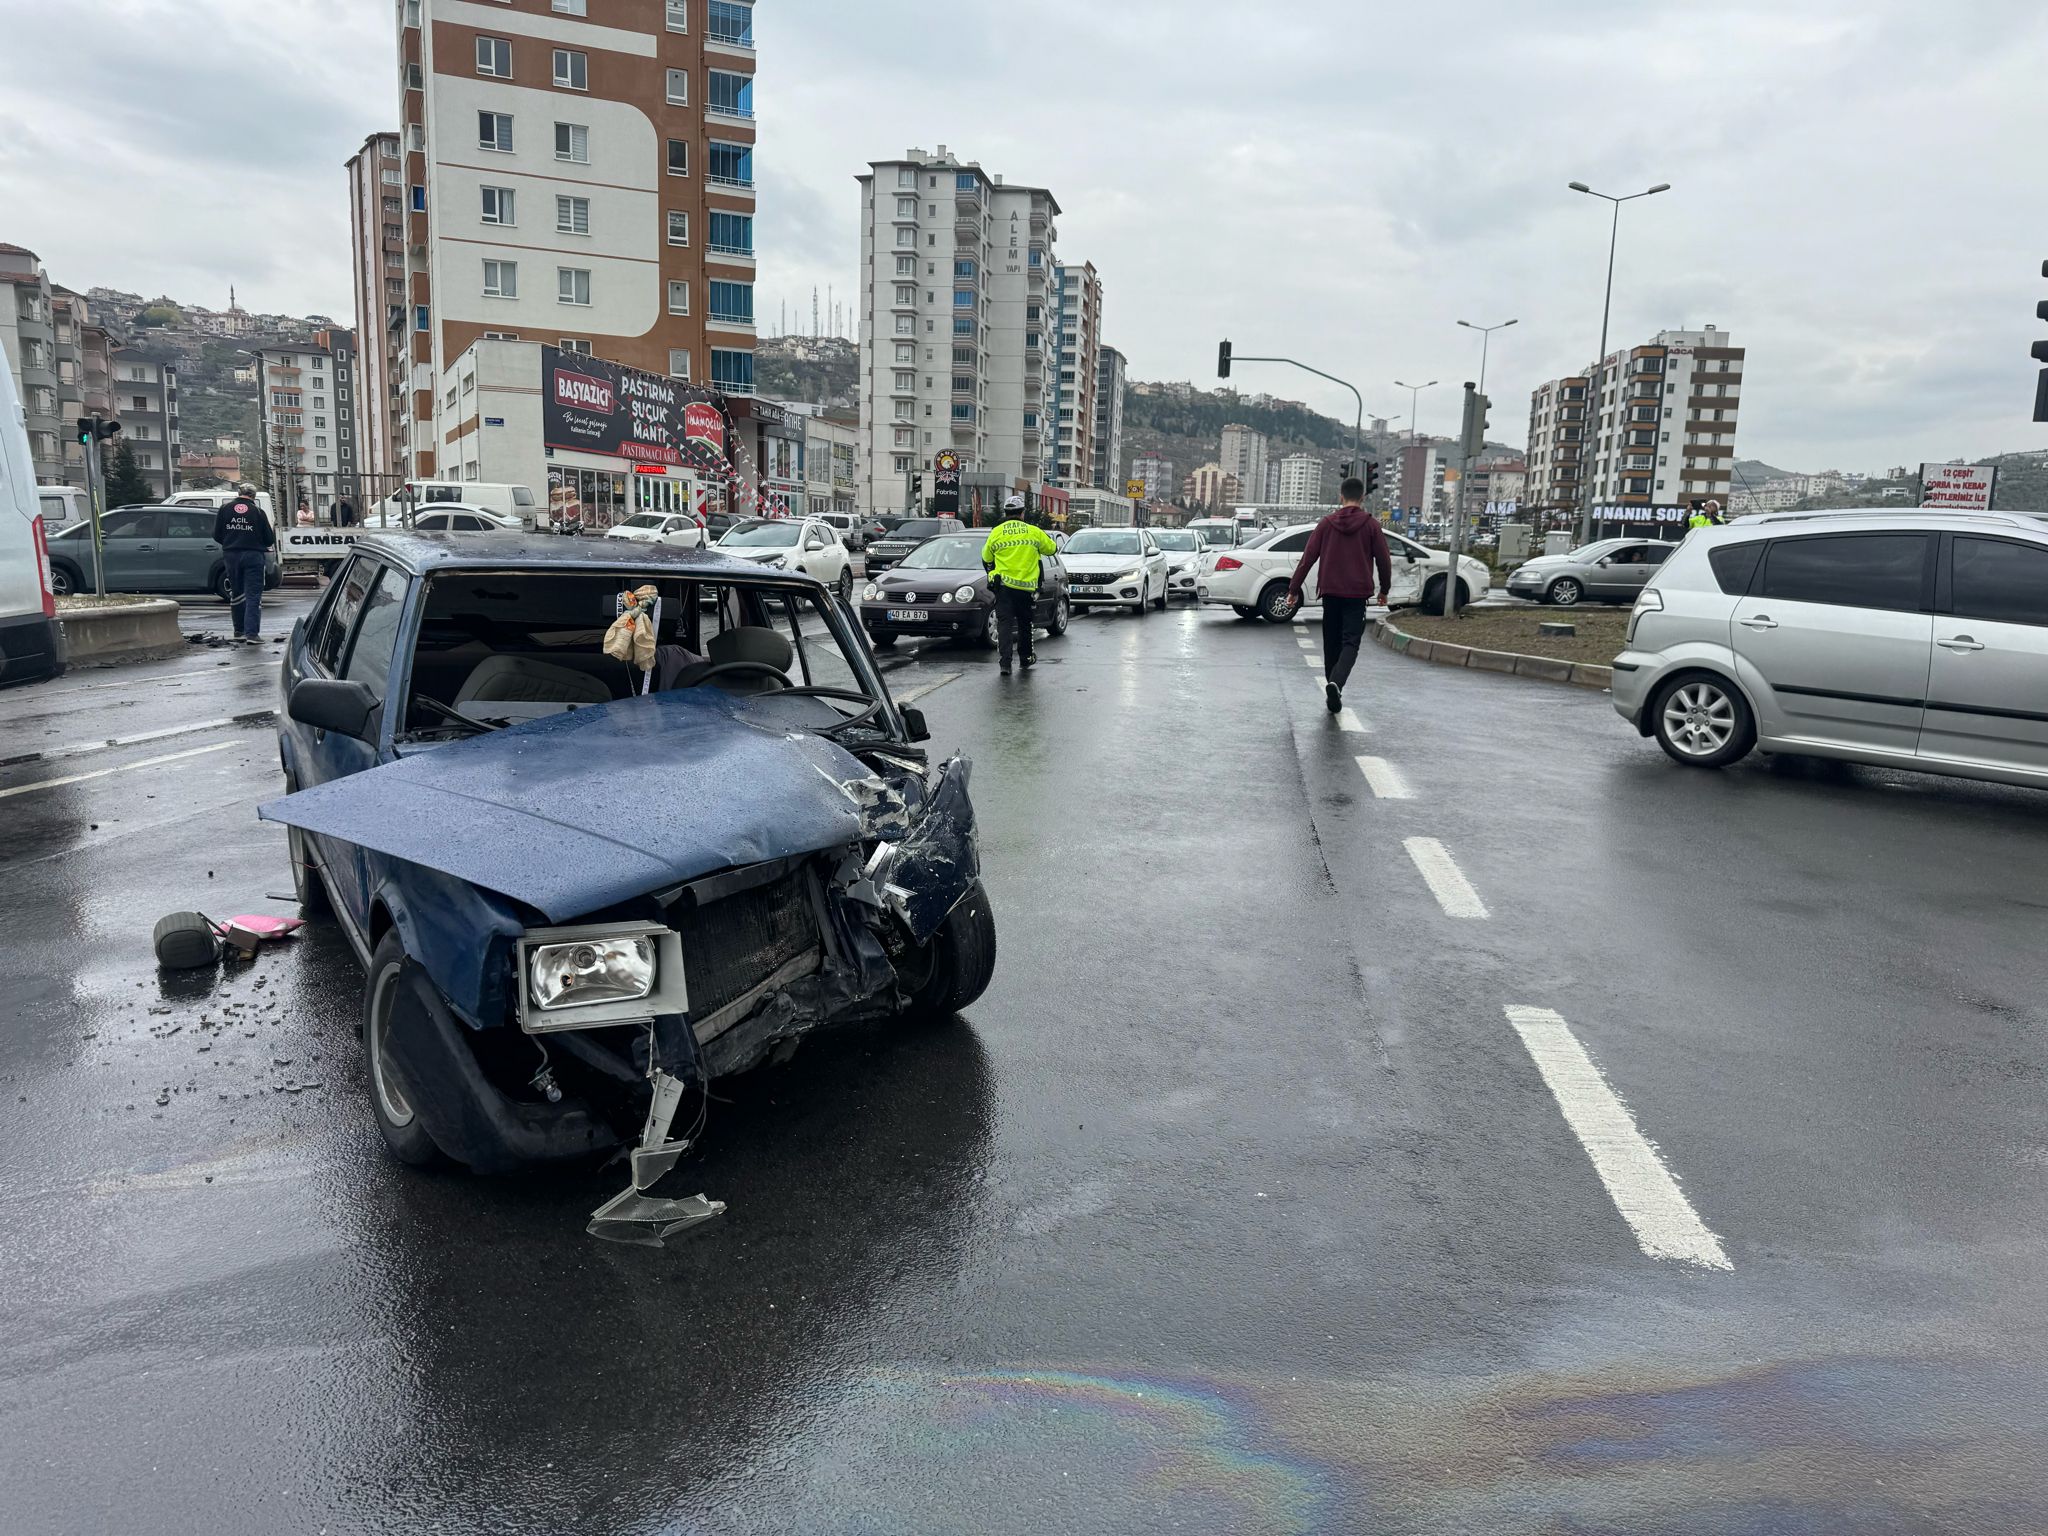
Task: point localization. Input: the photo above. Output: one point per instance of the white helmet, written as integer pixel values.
(1014, 504)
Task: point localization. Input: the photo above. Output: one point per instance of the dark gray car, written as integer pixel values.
(147, 549)
(1605, 571)
(904, 537)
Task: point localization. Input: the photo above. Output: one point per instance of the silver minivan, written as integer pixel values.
(1908, 639)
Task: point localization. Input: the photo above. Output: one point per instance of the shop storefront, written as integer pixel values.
(770, 455)
(621, 441)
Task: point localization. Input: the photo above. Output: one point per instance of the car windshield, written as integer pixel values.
(1218, 537)
(1102, 541)
(953, 553)
(762, 536)
(644, 520)
(1177, 539)
(917, 528)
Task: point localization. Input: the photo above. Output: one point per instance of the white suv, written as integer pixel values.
(1901, 638)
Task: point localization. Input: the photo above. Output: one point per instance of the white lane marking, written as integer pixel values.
(81, 748)
(1310, 658)
(101, 773)
(1347, 720)
(1385, 779)
(1446, 881)
(932, 687)
(1306, 642)
(1642, 1187)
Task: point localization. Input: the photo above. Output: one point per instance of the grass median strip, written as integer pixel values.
(1600, 638)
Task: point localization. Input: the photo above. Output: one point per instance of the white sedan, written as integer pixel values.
(685, 530)
(1116, 567)
(448, 517)
(1183, 548)
(1252, 579)
(793, 544)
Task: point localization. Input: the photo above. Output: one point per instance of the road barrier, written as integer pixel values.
(103, 635)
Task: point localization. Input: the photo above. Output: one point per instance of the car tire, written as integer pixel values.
(1275, 606)
(307, 884)
(1565, 592)
(219, 584)
(844, 586)
(881, 642)
(1243, 612)
(963, 955)
(1062, 614)
(1703, 721)
(272, 580)
(987, 637)
(1161, 604)
(383, 997)
(64, 581)
(1433, 595)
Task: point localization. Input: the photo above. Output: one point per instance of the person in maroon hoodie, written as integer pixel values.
(1351, 546)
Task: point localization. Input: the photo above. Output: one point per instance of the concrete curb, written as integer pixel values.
(1548, 669)
(106, 637)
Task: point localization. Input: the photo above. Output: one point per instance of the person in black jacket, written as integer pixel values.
(242, 529)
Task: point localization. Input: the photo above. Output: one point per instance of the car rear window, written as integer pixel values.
(2000, 581)
(919, 528)
(1735, 566)
(1859, 570)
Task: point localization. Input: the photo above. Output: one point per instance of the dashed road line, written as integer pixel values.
(101, 773)
(82, 748)
(1385, 779)
(1446, 881)
(931, 687)
(1311, 659)
(1347, 720)
(1641, 1186)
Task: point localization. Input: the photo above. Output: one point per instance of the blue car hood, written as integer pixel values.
(581, 811)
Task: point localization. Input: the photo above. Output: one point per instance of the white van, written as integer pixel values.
(28, 613)
(62, 505)
(218, 499)
(512, 500)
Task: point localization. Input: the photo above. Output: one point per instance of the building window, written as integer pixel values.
(678, 297)
(678, 227)
(571, 7)
(419, 317)
(572, 69)
(905, 382)
(679, 362)
(494, 57)
(494, 131)
(906, 294)
(419, 199)
(732, 371)
(679, 87)
(963, 325)
(963, 384)
(963, 298)
(572, 215)
(679, 15)
(501, 279)
(964, 181)
(498, 205)
(906, 236)
(732, 302)
(572, 143)
(906, 207)
(906, 266)
(576, 344)
(732, 24)
(572, 285)
(414, 80)
(732, 165)
(963, 411)
(906, 352)
(679, 157)
(903, 463)
(963, 268)
(730, 95)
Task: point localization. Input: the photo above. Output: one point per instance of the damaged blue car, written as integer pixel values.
(603, 824)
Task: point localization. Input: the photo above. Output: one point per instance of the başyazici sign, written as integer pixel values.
(589, 405)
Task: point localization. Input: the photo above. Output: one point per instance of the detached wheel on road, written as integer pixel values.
(388, 1008)
(1275, 606)
(1565, 592)
(1243, 612)
(1433, 595)
(220, 585)
(882, 642)
(963, 959)
(1703, 722)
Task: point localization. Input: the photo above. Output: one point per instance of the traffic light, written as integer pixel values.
(96, 429)
(1372, 478)
(2040, 355)
(1472, 439)
(1223, 359)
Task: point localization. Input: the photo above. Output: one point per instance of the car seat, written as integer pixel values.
(526, 680)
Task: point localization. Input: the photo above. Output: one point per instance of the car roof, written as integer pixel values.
(422, 554)
(1878, 519)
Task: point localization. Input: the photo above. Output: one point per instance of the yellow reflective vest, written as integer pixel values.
(1013, 551)
(1700, 520)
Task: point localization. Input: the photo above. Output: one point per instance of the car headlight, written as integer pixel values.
(964, 595)
(871, 593)
(591, 971)
(945, 597)
(777, 563)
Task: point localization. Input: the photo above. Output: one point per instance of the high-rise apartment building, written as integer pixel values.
(1108, 472)
(1244, 455)
(309, 395)
(1301, 480)
(579, 174)
(1157, 474)
(376, 202)
(957, 330)
(28, 335)
(1080, 359)
(146, 403)
(1212, 486)
(1661, 431)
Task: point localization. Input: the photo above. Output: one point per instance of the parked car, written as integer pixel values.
(1252, 579)
(1217, 532)
(879, 527)
(852, 532)
(1906, 639)
(900, 540)
(793, 544)
(147, 549)
(529, 854)
(1116, 567)
(683, 529)
(214, 500)
(1607, 571)
(514, 501)
(941, 588)
(1183, 548)
(718, 524)
(445, 517)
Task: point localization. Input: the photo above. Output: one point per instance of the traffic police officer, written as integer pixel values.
(1011, 555)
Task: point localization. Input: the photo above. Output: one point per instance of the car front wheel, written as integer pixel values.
(1062, 611)
(963, 959)
(986, 636)
(845, 584)
(62, 582)
(386, 1008)
(1703, 722)
(1565, 592)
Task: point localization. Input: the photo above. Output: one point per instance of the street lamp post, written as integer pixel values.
(1600, 360)
(1414, 414)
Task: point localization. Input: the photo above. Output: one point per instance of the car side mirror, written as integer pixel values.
(334, 704)
(1605, 560)
(913, 723)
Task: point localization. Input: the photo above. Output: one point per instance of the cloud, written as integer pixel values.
(1856, 188)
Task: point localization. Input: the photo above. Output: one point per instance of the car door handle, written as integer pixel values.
(1758, 621)
(1960, 643)
(145, 549)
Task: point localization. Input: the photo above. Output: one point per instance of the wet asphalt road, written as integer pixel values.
(1238, 1204)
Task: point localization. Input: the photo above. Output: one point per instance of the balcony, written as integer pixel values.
(967, 200)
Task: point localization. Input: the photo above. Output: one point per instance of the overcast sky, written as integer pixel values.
(1860, 191)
